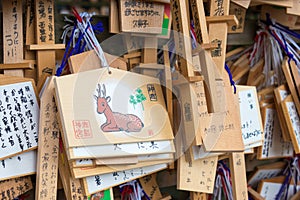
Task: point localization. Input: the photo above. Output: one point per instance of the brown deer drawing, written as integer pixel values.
(115, 121)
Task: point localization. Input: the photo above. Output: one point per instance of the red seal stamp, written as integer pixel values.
(82, 129)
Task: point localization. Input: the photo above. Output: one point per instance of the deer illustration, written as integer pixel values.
(115, 121)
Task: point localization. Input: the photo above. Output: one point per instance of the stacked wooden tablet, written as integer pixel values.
(114, 127)
(18, 132)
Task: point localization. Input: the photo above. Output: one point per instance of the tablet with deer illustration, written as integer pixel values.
(97, 108)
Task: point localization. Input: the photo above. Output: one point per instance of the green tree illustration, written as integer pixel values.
(140, 97)
(133, 101)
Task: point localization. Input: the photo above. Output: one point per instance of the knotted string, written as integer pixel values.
(281, 27)
(90, 37)
(224, 178)
(284, 187)
(272, 26)
(232, 83)
(65, 57)
(291, 172)
(75, 47)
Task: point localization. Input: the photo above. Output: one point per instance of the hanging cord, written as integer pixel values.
(65, 57)
(295, 173)
(223, 182)
(291, 173)
(258, 50)
(269, 43)
(76, 43)
(284, 187)
(194, 41)
(230, 78)
(292, 56)
(84, 25)
(275, 28)
(283, 191)
(133, 190)
(281, 27)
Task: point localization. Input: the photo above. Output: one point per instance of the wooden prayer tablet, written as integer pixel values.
(194, 196)
(190, 94)
(166, 25)
(89, 60)
(217, 126)
(198, 175)
(82, 163)
(243, 3)
(198, 15)
(254, 194)
(238, 175)
(295, 9)
(226, 124)
(296, 77)
(30, 39)
(255, 71)
(293, 121)
(133, 159)
(156, 157)
(181, 27)
(168, 84)
(121, 150)
(45, 35)
(17, 66)
(13, 188)
(114, 17)
(149, 55)
(98, 183)
(104, 169)
(111, 108)
(265, 172)
(141, 16)
(269, 188)
(12, 31)
(150, 186)
(48, 148)
(241, 70)
(278, 3)
(266, 93)
(280, 93)
(72, 187)
(234, 52)
(279, 13)
(240, 13)
(293, 81)
(19, 116)
(251, 123)
(273, 144)
(17, 166)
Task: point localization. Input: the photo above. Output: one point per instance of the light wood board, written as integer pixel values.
(70, 106)
(18, 97)
(15, 187)
(48, 148)
(273, 145)
(98, 183)
(44, 16)
(293, 121)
